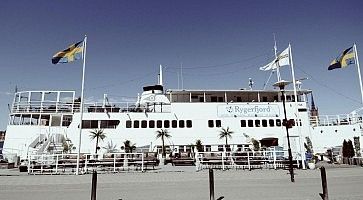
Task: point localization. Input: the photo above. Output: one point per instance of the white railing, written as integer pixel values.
(67, 163)
(71, 107)
(335, 120)
(245, 160)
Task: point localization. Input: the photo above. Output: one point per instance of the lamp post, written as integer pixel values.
(281, 84)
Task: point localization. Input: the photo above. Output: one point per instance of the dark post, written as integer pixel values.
(324, 184)
(94, 185)
(291, 168)
(211, 185)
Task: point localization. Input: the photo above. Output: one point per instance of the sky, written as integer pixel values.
(218, 44)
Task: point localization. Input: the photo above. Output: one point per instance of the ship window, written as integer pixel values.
(220, 99)
(159, 124)
(250, 123)
(136, 124)
(151, 124)
(278, 122)
(44, 120)
(166, 124)
(218, 123)
(181, 149)
(181, 124)
(128, 124)
(188, 148)
(271, 122)
(16, 120)
(201, 99)
(67, 119)
(213, 99)
(220, 148)
(239, 99)
(264, 99)
(208, 148)
(264, 123)
(210, 123)
(109, 123)
(143, 124)
(26, 119)
(275, 98)
(257, 123)
(56, 120)
(189, 124)
(34, 119)
(89, 124)
(243, 123)
(174, 124)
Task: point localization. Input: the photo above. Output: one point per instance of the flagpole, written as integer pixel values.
(296, 109)
(358, 68)
(277, 64)
(82, 103)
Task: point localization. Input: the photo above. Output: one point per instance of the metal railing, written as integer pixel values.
(335, 120)
(245, 160)
(67, 163)
(72, 107)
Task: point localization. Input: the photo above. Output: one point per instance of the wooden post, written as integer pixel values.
(211, 185)
(324, 184)
(94, 186)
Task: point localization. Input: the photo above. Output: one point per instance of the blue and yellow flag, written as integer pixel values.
(343, 60)
(72, 53)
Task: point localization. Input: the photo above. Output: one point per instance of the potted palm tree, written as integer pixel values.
(199, 145)
(97, 134)
(163, 133)
(225, 133)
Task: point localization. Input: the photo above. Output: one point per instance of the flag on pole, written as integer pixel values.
(282, 59)
(343, 60)
(72, 53)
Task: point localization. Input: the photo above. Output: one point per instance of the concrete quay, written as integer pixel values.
(180, 183)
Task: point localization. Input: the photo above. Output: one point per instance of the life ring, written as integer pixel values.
(152, 98)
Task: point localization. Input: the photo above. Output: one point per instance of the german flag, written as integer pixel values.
(72, 53)
(343, 60)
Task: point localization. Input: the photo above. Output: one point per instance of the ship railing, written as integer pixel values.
(245, 160)
(44, 107)
(335, 120)
(72, 107)
(122, 107)
(111, 162)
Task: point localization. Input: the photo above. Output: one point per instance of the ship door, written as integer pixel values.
(295, 145)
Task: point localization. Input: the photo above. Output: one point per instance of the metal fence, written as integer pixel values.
(245, 160)
(67, 163)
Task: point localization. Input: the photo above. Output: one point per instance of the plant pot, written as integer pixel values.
(311, 165)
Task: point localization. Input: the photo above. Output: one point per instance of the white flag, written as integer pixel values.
(281, 60)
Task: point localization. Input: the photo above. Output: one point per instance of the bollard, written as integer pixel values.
(211, 185)
(94, 186)
(324, 184)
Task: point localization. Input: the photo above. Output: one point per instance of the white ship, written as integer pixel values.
(40, 121)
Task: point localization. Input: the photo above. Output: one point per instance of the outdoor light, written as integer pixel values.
(287, 123)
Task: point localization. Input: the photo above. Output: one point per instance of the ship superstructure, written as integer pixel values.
(48, 121)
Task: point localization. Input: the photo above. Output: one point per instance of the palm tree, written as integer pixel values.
(199, 145)
(110, 148)
(98, 134)
(225, 133)
(128, 146)
(163, 133)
